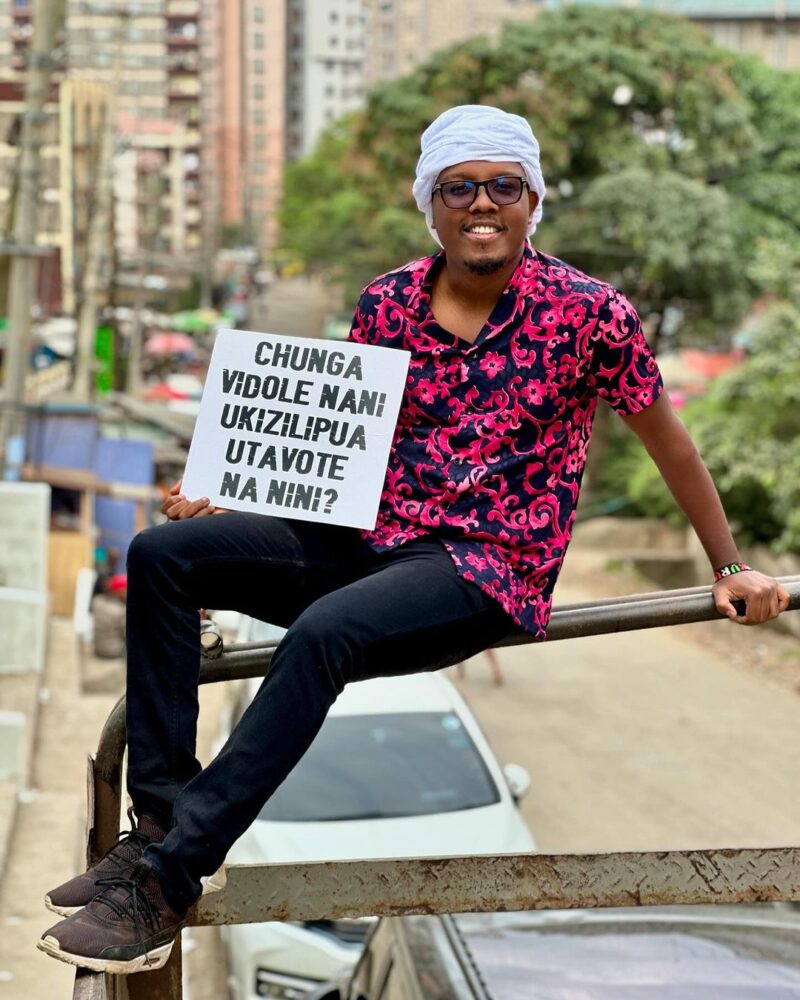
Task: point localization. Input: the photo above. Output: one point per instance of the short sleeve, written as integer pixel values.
(358, 327)
(624, 371)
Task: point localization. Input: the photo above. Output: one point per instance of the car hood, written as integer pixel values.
(496, 829)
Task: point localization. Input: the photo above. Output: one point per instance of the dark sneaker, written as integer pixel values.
(128, 927)
(79, 891)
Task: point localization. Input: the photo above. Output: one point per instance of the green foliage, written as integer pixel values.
(627, 481)
(747, 429)
(766, 179)
(694, 124)
(776, 268)
(667, 239)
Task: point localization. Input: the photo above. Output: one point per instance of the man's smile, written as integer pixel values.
(483, 232)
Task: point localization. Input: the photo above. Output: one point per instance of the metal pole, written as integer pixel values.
(96, 271)
(133, 372)
(48, 20)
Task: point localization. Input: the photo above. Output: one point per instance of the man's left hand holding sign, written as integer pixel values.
(177, 507)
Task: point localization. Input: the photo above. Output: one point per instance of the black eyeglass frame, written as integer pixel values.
(477, 185)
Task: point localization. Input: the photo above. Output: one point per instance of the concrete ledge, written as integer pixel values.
(13, 764)
(670, 570)
(8, 815)
(19, 699)
(620, 534)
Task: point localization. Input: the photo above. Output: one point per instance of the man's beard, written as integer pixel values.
(485, 266)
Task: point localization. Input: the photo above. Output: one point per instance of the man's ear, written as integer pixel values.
(533, 201)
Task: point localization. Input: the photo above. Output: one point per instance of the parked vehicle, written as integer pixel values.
(745, 952)
(400, 768)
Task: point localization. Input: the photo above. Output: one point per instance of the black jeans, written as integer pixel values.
(351, 614)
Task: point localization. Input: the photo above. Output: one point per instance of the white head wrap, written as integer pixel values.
(476, 132)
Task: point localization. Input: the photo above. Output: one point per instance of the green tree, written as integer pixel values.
(631, 98)
(670, 241)
(746, 426)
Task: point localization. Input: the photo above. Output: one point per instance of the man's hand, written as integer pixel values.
(177, 507)
(764, 597)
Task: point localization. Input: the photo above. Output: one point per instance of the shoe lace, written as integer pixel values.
(133, 902)
(133, 837)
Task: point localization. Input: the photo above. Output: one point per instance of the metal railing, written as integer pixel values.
(314, 891)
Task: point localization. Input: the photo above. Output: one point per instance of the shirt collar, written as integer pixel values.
(519, 284)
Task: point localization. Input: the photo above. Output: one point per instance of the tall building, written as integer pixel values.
(97, 29)
(184, 79)
(50, 235)
(405, 33)
(283, 70)
(147, 53)
(326, 49)
(15, 32)
(769, 29)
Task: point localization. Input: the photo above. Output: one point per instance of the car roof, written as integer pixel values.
(426, 692)
(410, 693)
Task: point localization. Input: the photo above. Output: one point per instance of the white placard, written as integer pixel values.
(295, 427)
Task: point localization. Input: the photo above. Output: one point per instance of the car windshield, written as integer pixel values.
(380, 766)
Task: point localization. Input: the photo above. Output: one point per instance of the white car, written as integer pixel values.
(708, 952)
(399, 769)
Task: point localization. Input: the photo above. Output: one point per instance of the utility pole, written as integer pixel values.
(98, 254)
(48, 21)
(133, 373)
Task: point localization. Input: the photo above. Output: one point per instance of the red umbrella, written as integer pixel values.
(171, 343)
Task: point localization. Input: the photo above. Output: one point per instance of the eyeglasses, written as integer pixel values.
(501, 191)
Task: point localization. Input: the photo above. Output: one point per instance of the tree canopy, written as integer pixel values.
(665, 157)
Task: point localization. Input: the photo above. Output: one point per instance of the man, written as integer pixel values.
(510, 351)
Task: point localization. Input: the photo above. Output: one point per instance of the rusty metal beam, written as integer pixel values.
(97, 986)
(105, 785)
(90, 986)
(160, 984)
(330, 890)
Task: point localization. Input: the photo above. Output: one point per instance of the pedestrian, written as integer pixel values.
(495, 670)
(510, 351)
(108, 618)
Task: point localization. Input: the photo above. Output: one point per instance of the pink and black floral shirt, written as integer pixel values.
(491, 439)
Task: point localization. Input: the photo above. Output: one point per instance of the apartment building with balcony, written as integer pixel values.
(147, 53)
(121, 43)
(326, 48)
(769, 29)
(16, 28)
(405, 33)
(184, 84)
(50, 236)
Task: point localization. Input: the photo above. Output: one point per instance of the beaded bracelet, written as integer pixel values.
(730, 570)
